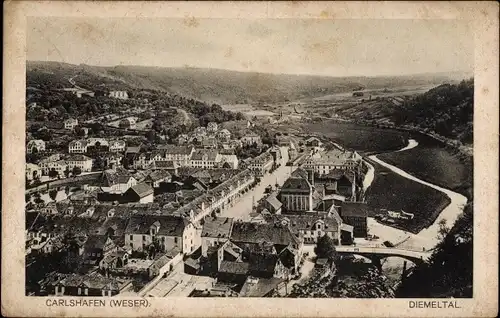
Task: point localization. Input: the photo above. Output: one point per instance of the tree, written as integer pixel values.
(53, 194)
(76, 171)
(66, 172)
(53, 173)
(325, 248)
(443, 229)
(38, 198)
(79, 132)
(27, 197)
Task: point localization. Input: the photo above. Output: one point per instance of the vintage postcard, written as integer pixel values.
(261, 159)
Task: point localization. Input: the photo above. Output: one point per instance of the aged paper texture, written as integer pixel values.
(250, 159)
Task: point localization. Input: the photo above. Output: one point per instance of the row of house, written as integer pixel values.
(60, 164)
(324, 162)
(180, 156)
(83, 146)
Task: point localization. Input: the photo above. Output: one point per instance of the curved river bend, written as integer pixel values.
(427, 238)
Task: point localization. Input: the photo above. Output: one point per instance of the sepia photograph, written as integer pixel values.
(214, 157)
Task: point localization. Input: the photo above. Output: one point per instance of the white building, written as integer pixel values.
(205, 158)
(35, 145)
(231, 160)
(167, 231)
(251, 139)
(70, 123)
(224, 135)
(80, 161)
(117, 181)
(59, 166)
(181, 155)
(215, 231)
(118, 94)
(93, 142)
(33, 171)
(212, 127)
(77, 146)
(263, 163)
(323, 163)
(117, 145)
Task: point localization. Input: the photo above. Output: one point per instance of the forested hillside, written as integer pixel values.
(214, 85)
(447, 110)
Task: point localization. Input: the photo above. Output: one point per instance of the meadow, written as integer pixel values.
(394, 192)
(366, 140)
(436, 164)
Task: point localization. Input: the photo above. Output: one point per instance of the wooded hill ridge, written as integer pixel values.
(216, 85)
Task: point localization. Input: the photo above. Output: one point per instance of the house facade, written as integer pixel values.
(118, 94)
(251, 139)
(297, 195)
(77, 146)
(35, 145)
(60, 166)
(215, 232)
(204, 158)
(262, 163)
(70, 123)
(332, 160)
(166, 231)
(117, 145)
(33, 171)
(81, 161)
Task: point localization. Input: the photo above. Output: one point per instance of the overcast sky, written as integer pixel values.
(319, 46)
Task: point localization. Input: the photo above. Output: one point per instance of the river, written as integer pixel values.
(428, 238)
(425, 239)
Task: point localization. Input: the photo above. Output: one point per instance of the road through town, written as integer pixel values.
(242, 209)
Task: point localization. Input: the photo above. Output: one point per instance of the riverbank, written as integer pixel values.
(436, 164)
(392, 191)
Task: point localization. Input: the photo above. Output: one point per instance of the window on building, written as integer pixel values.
(144, 237)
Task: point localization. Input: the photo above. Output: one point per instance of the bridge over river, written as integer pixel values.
(375, 254)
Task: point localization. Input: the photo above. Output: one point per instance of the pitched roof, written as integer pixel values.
(246, 232)
(297, 185)
(118, 224)
(219, 227)
(163, 164)
(263, 262)
(259, 287)
(96, 241)
(274, 202)
(158, 175)
(133, 149)
(337, 174)
(359, 209)
(111, 177)
(263, 158)
(238, 268)
(300, 173)
(142, 190)
(199, 154)
(94, 280)
(170, 225)
(307, 222)
(78, 158)
(172, 149)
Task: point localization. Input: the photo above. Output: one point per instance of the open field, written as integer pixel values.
(393, 192)
(435, 164)
(360, 138)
